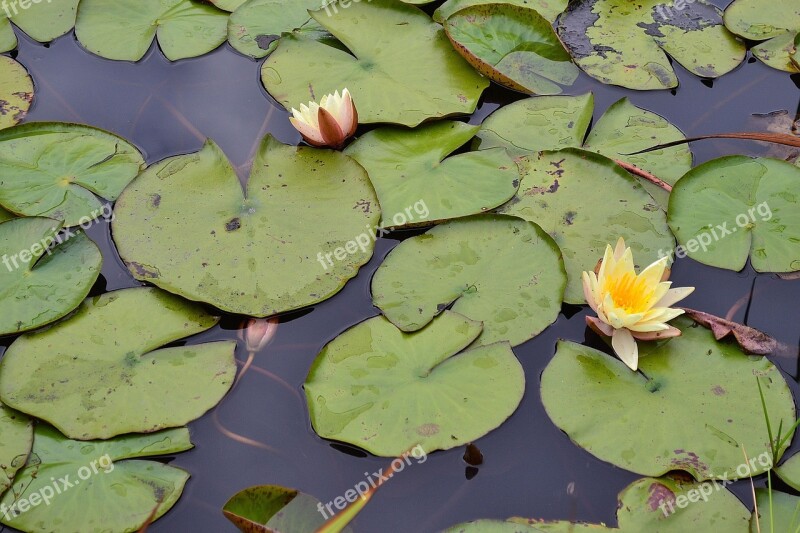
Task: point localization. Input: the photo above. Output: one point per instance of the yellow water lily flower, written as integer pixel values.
(631, 306)
(328, 123)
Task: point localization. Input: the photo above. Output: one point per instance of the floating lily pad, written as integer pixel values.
(302, 231)
(780, 512)
(549, 9)
(44, 20)
(16, 92)
(780, 52)
(626, 43)
(553, 195)
(409, 166)
(95, 487)
(778, 21)
(228, 5)
(8, 39)
(56, 170)
(789, 471)
(386, 86)
(125, 29)
(733, 207)
(16, 439)
(5, 215)
(554, 122)
(497, 269)
(38, 283)
(512, 45)
(99, 374)
(692, 406)
(386, 391)
(255, 26)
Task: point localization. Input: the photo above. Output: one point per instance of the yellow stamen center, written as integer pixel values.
(629, 292)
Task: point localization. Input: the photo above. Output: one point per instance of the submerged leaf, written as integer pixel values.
(750, 339)
(16, 92)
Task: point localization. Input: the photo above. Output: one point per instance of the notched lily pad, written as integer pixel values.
(58, 170)
(387, 391)
(408, 169)
(304, 228)
(97, 486)
(16, 439)
(99, 374)
(512, 45)
(16, 92)
(256, 25)
(44, 20)
(626, 43)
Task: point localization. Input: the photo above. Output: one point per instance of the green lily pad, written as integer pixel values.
(16, 439)
(501, 270)
(512, 45)
(39, 284)
(409, 166)
(758, 21)
(387, 391)
(781, 512)
(692, 407)
(5, 215)
(16, 92)
(94, 487)
(733, 207)
(95, 375)
(789, 471)
(386, 86)
(553, 195)
(779, 52)
(302, 231)
(44, 20)
(549, 9)
(228, 5)
(125, 29)
(627, 43)
(8, 39)
(255, 26)
(554, 122)
(57, 170)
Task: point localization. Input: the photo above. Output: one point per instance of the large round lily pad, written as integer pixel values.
(553, 195)
(256, 25)
(304, 228)
(95, 487)
(40, 283)
(99, 374)
(692, 407)
(777, 20)
(125, 29)
(387, 391)
(44, 20)
(512, 45)
(501, 270)
(549, 9)
(16, 92)
(736, 207)
(57, 170)
(16, 439)
(409, 166)
(554, 122)
(627, 43)
(387, 86)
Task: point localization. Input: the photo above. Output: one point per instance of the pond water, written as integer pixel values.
(530, 467)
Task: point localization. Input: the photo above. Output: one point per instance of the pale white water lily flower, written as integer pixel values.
(328, 123)
(631, 306)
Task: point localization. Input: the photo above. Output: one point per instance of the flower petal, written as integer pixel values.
(656, 335)
(607, 265)
(652, 274)
(625, 347)
(674, 296)
(599, 327)
(309, 133)
(589, 284)
(619, 250)
(330, 130)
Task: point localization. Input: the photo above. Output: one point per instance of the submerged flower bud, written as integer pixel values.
(329, 123)
(258, 332)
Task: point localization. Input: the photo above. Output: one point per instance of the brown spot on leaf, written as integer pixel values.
(426, 430)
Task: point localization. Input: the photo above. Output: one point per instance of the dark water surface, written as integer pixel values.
(531, 469)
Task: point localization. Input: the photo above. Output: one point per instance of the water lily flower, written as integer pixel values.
(329, 123)
(631, 306)
(257, 332)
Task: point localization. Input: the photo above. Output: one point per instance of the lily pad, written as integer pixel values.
(95, 375)
(16, 439)
(57, 170)
(302, 231)
(44, 20)
(125, 29)
(780, 52)
(512, 45)
(789, 471)
(39, 283)
(501, 270)
(5, 215)
(553, 195)
(8, 39)
(16, 92)
(693, 406)
(256, 25)
(549, 9)
(228, 5)
(776, 512)
(386, 391)
(409, 166)
(733, 207)
(95, 487)
(627, 43)
(778, 21)
(386, 86)
(554, 122)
